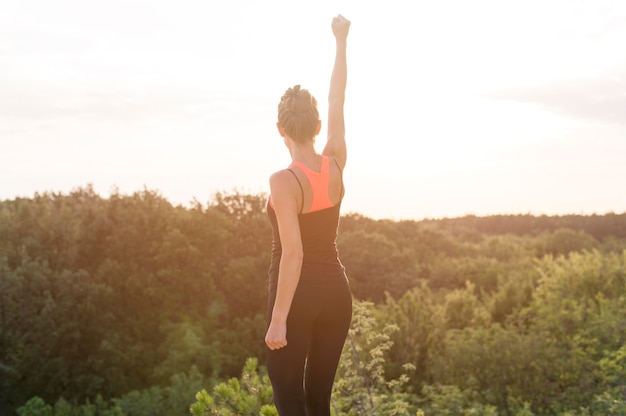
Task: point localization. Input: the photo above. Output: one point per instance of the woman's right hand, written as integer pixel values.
(276, 336)
(340, 26)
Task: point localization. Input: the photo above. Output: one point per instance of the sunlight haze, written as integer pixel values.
(452, 107)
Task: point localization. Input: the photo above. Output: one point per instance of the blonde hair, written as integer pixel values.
(298, 114)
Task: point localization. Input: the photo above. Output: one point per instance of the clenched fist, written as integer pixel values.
(340, 26)
(276, 336)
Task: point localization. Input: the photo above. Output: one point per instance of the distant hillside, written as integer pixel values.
(598, 226)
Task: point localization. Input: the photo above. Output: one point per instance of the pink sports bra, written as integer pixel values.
(319, 182)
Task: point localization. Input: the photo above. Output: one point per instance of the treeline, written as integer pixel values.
(129, 305)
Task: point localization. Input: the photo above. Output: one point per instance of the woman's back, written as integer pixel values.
(321, 192)
(321, 186)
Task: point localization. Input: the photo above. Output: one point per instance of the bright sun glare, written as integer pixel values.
(183, 99)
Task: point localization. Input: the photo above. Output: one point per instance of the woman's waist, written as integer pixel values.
(313, 266)
(314, 276)
(314, 269)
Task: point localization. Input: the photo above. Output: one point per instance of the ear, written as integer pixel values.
(319, 127)
(281, 130)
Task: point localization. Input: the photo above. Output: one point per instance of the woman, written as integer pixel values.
(310, 304)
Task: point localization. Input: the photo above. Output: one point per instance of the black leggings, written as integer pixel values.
(302, 373)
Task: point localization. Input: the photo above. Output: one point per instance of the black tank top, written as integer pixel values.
(318, 231)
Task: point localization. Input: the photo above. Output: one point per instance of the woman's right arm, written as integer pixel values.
(336, 143)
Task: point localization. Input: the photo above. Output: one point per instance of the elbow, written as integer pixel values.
(294, 255)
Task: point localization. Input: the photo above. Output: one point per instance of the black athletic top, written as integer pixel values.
(318, 231)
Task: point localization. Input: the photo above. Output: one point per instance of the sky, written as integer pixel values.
(452, 107)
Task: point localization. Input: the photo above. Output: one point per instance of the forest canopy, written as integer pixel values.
(130, 305)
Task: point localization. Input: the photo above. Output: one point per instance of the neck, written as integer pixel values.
(304, 153)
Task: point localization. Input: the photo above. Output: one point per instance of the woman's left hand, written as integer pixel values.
(276, 336)
(340, 26)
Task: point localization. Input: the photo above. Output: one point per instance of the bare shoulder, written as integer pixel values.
(283, 189)
(281, 180)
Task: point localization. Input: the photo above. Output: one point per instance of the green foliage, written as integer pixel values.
(153, 401)
(451, 401)
(162, 401)
(564, 241)
(515, 292)
(249, 395)
(126, 305)
(580, 306)
(99, 407)
(361, 387)
(375, 264)
(559, 353)
(500, 364)
(611, 402)
(598, 226)
(233, 344)
(184, 347)
(463, 309)
(54, 338)
(418, 317)
(613, 371)
(107, 281)
(35, 407)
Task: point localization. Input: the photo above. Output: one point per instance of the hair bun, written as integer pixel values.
(296, 100)
(294, 92)
(297, 113)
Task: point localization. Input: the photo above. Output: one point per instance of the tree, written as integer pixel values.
(375, 264)
(54, 338)
(361, 387)
(250, 395)
(418, 317)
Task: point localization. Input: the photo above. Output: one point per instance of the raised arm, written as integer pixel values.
(336, 143)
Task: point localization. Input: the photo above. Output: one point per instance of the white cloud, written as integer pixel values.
(600, 99)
